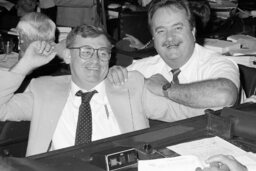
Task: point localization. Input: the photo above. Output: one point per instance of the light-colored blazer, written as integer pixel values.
(43, 101)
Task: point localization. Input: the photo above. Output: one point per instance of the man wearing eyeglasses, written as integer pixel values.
(54, 104)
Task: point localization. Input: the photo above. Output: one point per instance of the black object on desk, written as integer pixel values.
(115, 158)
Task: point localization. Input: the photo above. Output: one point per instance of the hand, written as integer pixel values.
(223, 163)
(251, 99)
(37, 54)
(134, 42)
(155, 84)
(117, 75)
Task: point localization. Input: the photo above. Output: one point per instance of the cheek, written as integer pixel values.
(104, 66)
(104, 69)
(157, 42)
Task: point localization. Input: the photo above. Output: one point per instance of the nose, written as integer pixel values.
(95, 57)
(170, 35)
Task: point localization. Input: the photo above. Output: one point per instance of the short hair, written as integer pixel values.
(85, 31)
(179, 4)
(37, 26)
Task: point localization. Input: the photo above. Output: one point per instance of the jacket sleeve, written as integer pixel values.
(14, 107)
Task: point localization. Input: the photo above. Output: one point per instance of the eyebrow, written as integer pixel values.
(174, 25)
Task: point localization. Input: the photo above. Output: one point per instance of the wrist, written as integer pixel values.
(22, 68)
(165, 89)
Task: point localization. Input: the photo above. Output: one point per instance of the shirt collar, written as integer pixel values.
(100, 89)
(191, 60)
(186, 67)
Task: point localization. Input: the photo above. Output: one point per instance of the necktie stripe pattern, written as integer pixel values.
(84, 123)
(175, 73)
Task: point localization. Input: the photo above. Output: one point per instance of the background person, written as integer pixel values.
(34, 26)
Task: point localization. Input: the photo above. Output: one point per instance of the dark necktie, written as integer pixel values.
(175, 73)
(84, 123)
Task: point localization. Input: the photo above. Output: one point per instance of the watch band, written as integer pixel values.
(165, 89)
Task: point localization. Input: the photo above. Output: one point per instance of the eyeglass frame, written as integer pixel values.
(94, 49)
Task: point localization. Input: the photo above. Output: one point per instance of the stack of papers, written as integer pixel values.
(194, 153)
(221, 46)
(249, 61)
(181, 163)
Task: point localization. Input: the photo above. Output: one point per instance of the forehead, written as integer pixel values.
(96, 42)
(168, 16)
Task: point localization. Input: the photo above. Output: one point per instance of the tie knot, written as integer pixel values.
(175, 72)
(86, 97)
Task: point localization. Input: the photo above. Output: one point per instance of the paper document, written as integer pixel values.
(194, 153)
(249, 61)
(180, 163)
(207, 147)
(221, 46)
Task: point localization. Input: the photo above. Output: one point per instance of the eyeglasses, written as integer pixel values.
(86, 52)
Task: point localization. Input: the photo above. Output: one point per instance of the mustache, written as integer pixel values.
(169, 43)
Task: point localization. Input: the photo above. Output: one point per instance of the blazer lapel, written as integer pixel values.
(57, 103)
(119, 101)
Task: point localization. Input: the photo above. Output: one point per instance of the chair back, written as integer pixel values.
(248, 79)
(134, 23)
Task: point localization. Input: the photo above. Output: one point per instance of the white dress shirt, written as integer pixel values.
(203, 64)
(104, 123)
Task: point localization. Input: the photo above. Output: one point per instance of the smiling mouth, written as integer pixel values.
(172, 46)
(92, 68)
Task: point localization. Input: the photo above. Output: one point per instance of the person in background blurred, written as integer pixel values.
(34, 26)
(9, 19)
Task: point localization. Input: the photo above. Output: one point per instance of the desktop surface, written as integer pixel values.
(145, 141)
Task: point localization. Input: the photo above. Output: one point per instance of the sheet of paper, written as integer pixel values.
(180, 163)
(207, 147)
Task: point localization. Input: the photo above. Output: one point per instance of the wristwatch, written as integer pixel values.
(165, 89)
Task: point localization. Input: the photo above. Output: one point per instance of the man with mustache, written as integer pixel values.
(191, 76)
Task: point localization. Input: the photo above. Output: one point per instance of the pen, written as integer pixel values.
(106, 109)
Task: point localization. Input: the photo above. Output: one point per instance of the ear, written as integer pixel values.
(66, 56)
(63, 52)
